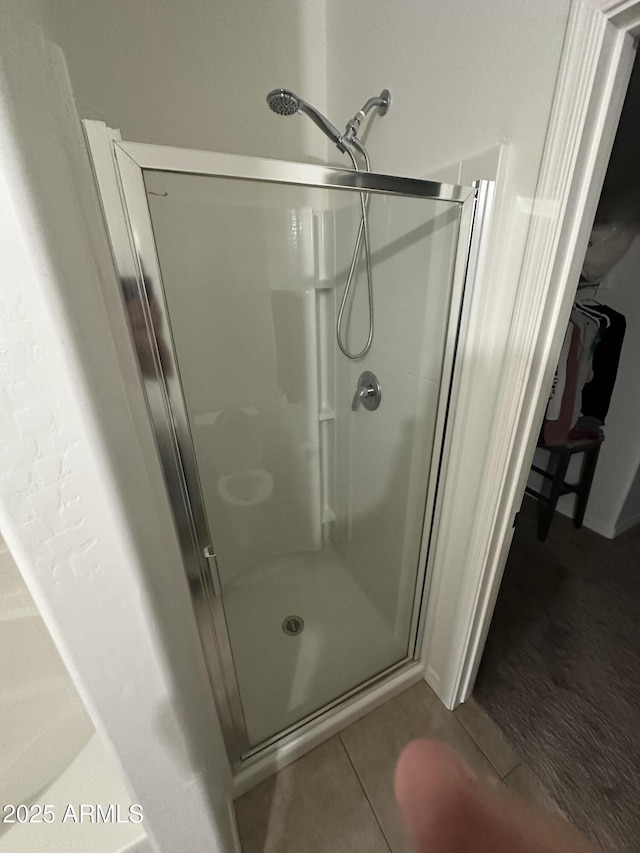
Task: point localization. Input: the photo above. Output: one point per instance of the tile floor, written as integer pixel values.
(339, 797)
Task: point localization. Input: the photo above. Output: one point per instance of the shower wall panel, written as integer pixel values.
(384, 457)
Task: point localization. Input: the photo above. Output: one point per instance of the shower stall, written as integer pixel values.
(303, 483)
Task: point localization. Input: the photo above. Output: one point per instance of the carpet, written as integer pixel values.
(561, 672)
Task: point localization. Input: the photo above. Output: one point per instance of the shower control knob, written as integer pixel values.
(368, 392)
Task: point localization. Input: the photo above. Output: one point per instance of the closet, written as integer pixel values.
(596, 391)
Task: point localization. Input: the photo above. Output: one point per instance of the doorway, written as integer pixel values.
(561, 668)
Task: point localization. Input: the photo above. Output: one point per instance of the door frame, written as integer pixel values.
(595, 67)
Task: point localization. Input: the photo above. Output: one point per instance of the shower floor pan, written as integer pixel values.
(284, 676)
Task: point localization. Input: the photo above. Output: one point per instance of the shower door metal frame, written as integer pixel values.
(118, 169)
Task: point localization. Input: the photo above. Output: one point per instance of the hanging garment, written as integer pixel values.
(556, 432)
(560, 379)
(589, 328)
(596, 394)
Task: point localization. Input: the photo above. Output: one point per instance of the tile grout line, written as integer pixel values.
(373, 811)
(506, 776)
(519, 763)
(486, 755)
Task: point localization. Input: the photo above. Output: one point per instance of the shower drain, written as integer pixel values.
(293, 625)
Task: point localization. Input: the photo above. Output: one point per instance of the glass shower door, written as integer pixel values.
(315, 505)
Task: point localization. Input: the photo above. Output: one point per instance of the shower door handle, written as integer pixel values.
(368, 392)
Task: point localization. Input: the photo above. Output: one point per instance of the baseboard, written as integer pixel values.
(621, 526)
(606, 530)
(609, 531)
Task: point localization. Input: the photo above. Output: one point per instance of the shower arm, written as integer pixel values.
(382, 102)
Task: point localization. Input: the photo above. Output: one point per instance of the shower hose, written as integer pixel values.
(363, 236)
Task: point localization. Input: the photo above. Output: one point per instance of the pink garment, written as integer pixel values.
(557, 432)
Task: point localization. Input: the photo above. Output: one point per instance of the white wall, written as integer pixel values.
(463, 77)
(196, 73)
(458, 73)
(81, 501)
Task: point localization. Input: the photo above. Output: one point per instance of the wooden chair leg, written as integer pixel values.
(548, 508)
(582, 495)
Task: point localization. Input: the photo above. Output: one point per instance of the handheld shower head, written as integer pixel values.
(287, 103)
(283, 102)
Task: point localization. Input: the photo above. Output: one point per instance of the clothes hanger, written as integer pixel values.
(601, 314)
(592, 313)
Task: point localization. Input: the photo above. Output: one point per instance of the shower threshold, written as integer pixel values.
(271, 756)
